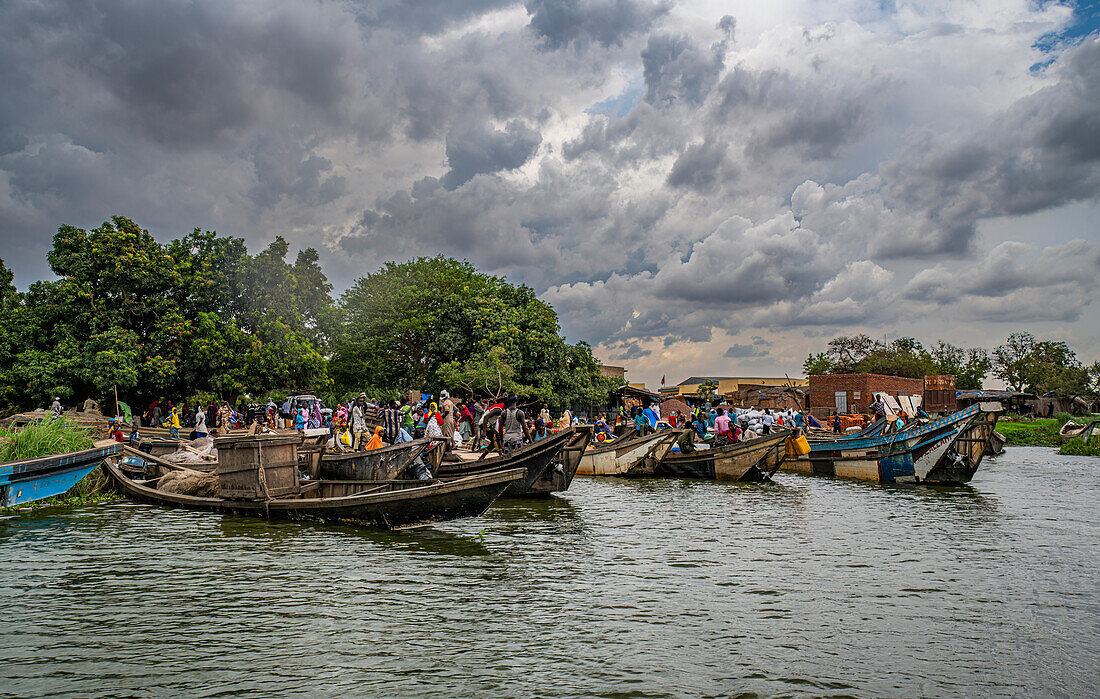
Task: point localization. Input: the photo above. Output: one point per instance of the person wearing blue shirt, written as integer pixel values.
(701, 427)
(651, 417)
(798, 420)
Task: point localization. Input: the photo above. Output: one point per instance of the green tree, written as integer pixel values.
(432, 322)
(1011, 359)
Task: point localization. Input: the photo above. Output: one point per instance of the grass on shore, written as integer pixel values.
(1041, 432)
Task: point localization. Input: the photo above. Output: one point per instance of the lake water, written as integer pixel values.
(658, 588)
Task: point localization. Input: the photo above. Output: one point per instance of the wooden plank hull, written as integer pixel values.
(386, 463)
(749, 461)
(943, 451)
(558, 476)
(35, 479)
(393, 505)
(638, 456)
(534, 459)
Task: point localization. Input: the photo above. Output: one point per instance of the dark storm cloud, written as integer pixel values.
(676, 69)
(785, 111)
(736, 351)
(477, 149)
(626, 351)
(559, 23)
(181, 75)
(700, 166)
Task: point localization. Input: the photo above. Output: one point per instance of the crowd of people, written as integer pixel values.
(363, 423)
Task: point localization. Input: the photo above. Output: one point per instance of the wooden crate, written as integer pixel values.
(242, 459)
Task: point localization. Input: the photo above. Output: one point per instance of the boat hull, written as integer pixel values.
(535, 459)
(749, 461)
(638, 456)
(404, 504)
(386, 463)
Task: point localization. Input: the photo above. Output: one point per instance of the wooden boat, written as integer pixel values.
(385, 504)
(1071, 430)
(386, 463)
(751, 460)
(549, 464)
(36, 479)
(629, 457)
(1087, 432)
(947, 450)
(996, 445)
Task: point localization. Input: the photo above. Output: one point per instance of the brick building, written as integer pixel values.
(852, 393)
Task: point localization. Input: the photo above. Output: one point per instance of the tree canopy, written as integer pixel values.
(1041, 366)
(438, 322)
(904, 356)
(201, 315)
(1022, 363)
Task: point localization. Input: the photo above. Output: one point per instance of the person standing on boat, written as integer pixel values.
(225, 418)
(447, 408)
(200, 423)
(544, 414)
(478, 412)
(722, 431)
(836, 422)
(767, 420)
(465, 420)
(566, 420)
(512, 426)
(878, 408)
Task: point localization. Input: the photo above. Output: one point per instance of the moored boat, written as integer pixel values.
(947, 450)
(34, 479)
(750, 460)
(394, 504)
(996, 445)
(549, 464)
(630, 457)
(1071, 430)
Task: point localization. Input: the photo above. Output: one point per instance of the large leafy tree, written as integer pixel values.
(437, 321)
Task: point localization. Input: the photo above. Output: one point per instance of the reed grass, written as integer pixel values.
(49, 437)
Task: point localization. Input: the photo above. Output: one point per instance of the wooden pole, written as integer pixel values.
(116, 404)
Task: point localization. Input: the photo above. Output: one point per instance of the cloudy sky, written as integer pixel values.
(697, 187)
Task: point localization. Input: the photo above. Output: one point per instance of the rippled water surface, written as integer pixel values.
(808, 586)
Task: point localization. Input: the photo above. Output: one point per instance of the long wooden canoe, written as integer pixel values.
(549, 464)
(384, 504)
(751, 460)
(630, 457)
